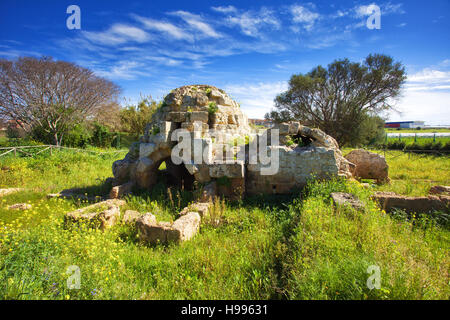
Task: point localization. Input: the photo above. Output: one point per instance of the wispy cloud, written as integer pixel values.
(165, 27)
(250, 22)
(118, 34)
(196, 22)
(123, 70)
(426, 96)
(224, 9)
(429, 79)
(304, 16)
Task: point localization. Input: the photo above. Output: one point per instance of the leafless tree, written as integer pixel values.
(51, 95)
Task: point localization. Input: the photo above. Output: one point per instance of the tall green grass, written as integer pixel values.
(271, 247)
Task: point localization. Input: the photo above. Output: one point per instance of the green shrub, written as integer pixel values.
(212, 108)
(78, 137)
(101, 136)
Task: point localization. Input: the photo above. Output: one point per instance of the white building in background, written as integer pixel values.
(405, 124)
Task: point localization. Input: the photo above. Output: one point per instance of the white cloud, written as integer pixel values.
(390, 8)
(304, 16)
(164, 60)
(256, 99)
(433, 107)
(118, 34)
(223, 9)
(251, 22)
(123, 70)
(386, 9)
(426, 97)
(445, 63)
(429, 79)
(165, 27)
(197, 23)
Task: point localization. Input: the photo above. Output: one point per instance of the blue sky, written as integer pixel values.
(248, 48)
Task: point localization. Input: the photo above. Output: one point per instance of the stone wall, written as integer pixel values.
(223, 139)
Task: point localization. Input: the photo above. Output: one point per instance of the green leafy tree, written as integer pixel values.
(339, 99)
(134, 118)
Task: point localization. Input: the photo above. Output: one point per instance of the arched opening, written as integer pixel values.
(301, 140)
(175, 175)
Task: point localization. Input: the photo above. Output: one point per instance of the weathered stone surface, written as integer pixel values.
(4, 192)
(102, 214)
(20, 206)
(296, 167)
(232, 188)
(346, 199)
(389, 201)
(440, 190)
(187, 226)
(147, 219)
(230, 170)
(184, 228)
(202, 208)
(154, 233)
(130, 216)
(146, 149)
(120, 191)
(209, 192)
(369, 165)
(202, 116)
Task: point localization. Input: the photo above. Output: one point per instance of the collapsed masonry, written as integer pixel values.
(225, 156)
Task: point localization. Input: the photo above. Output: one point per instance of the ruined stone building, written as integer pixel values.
(225, 155)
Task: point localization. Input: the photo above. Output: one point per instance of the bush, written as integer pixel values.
(78, 137)
(101, 137)
(212, 108)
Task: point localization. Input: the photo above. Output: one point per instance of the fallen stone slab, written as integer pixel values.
(102, 214)
(390, 200)
(131, 216)
(187, 225)
(4, 192)
(369, 165)
(440, 190)
(20, 206)
(202, 208)
(121, 190)
(183, 229)
(347, 199)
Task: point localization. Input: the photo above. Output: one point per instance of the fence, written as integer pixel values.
(30, 151)
(417, 136)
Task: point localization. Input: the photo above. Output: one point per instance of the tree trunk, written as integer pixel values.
(56, 140)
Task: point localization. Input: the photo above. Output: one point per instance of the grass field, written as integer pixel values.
(276, 247)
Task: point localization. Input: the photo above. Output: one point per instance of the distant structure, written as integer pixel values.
(261, 122)
(405, 124)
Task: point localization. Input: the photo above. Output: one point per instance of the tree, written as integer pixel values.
(340, 98)
(109, 115)
(134, 118)
(51, 96)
